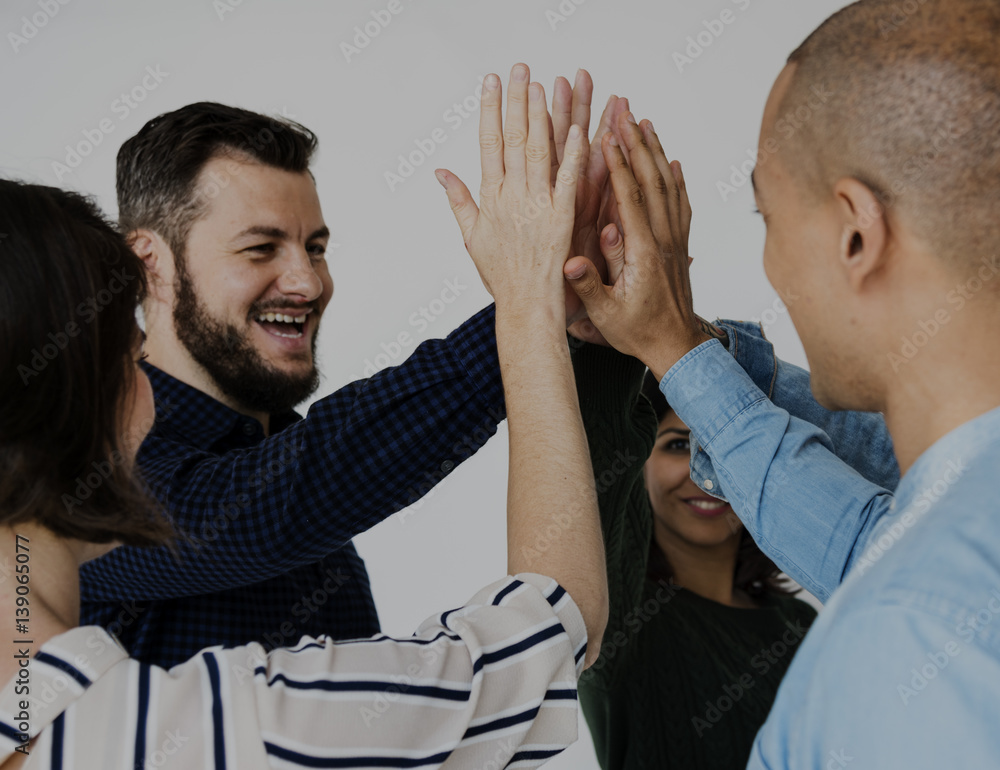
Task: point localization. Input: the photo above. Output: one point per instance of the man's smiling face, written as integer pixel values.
(253, 282)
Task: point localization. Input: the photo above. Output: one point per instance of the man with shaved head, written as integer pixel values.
(881, 198)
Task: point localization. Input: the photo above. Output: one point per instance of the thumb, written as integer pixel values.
(613, 249)
(586, 282)
(462, 205)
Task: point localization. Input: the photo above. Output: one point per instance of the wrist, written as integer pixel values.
(661, 358)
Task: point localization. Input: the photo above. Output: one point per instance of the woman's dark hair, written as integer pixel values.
(755, 573)
(69, 287)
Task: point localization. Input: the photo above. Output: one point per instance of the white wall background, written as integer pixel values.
(397, 248)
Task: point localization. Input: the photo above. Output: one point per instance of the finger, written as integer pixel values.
(562, 114)
(568, 178)
(491, 134)
(584, 279)
(536, 152)
(597, 169)
(515, 129)
(685, 202)
(661, 203)
(667, 171)
(585, 330)
(553, 155)
(621, 108)
(462, 205)
(613, 249)
(583, 94)
(628, 195)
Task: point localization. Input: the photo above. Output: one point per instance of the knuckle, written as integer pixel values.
(660, 185)
(536, 153)
(566, 177)
(637, 197)
(513, 137)
(490, 142)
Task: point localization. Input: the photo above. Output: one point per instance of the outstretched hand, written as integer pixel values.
(521, 235)
(646, 310)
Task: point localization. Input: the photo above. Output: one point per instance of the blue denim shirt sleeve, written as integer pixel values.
(860, 439)
(804, 507)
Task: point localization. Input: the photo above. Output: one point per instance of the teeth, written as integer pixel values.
(705, 505)
(282, 318)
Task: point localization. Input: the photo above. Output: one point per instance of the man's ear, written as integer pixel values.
(150, 247)
(864, 246)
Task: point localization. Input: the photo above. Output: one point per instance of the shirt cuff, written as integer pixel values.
(475, 344)
(753, 352)
(707, 389)
(566, 610)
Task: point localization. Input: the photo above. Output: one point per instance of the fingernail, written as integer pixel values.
(492, 82)
(630, 118)
(576, 271)
(614, 141)
(520, 74)
(574, 131)
(441, 178)
(612, 237)
(651, 129)
(534, 92)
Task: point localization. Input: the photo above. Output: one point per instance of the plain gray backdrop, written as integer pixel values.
(380, 79)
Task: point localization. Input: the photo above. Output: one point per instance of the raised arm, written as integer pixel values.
(779, 473)
(519, 242)
(362, 453)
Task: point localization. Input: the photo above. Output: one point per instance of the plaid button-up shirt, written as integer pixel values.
(269, 520)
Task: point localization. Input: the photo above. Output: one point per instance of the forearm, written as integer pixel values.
(551, 490)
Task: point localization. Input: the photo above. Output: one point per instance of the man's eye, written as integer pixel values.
(261, 248)
(317, 250)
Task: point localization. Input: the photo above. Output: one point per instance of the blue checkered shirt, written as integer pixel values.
(270, 519)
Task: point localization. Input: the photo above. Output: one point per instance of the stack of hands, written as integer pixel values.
(595, 235)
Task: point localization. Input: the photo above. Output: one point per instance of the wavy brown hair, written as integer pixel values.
(69, 287)
(755, 573)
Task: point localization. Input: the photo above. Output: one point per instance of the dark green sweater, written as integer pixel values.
(682, 681)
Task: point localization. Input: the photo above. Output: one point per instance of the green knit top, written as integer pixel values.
(682, 681)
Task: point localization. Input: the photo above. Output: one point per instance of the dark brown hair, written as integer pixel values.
(755, 573)
(159, 167)
(68, 292)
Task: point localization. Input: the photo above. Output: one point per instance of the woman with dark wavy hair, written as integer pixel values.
(701, 626)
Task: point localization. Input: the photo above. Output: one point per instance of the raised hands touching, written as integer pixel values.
(647, 310)
(520, 235)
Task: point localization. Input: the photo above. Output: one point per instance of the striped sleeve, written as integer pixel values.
(490, 684)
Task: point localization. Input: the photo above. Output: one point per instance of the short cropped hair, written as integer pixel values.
(69, 286)
(911, 107)
(158, 168)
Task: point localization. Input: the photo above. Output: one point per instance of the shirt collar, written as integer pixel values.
(60, 672)
(200, 419)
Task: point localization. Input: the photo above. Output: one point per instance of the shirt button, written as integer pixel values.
(709, 484)
(249, 429)
(447, 466)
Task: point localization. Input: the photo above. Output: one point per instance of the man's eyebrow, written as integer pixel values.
(753, 182)
(678, 431)
(279, 234)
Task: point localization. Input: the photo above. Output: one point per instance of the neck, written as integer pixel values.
(950, 382)
(49, 566)
(704, 570)
(176, 362)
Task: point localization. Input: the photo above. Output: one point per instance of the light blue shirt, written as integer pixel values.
(902, 669)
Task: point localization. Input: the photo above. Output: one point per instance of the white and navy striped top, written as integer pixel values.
(489, 685)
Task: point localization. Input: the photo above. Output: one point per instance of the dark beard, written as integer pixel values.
(231, 360)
